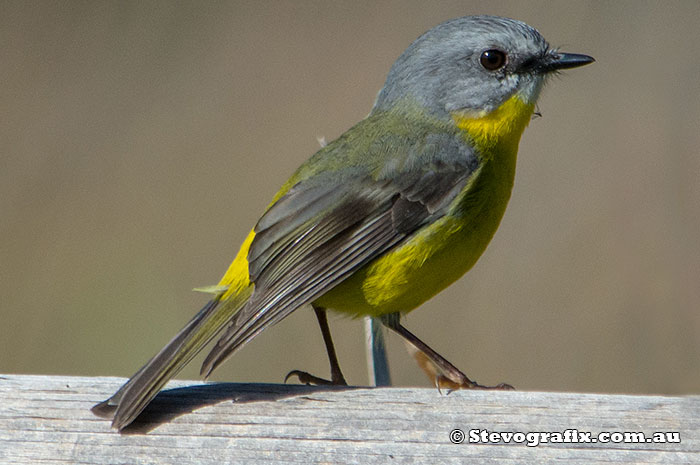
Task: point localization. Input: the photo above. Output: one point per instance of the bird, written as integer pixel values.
(387, 215)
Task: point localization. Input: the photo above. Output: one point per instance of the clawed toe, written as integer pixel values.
(443, 382)
(309, 379)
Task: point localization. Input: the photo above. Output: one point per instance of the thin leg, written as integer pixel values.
(435, 365)
(337, 377)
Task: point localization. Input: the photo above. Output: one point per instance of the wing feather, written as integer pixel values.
(296, 261)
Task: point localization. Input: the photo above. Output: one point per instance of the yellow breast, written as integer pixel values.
(440, 253)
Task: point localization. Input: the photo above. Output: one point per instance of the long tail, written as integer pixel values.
(130, 400)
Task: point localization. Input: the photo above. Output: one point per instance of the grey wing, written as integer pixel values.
(320, 233)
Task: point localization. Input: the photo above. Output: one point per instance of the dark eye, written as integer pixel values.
(493, 59)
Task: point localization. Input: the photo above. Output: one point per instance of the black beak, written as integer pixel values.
(555, 61)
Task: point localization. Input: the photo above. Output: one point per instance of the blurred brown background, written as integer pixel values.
(141, 140)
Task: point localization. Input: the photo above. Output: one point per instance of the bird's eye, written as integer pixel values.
(493, 59)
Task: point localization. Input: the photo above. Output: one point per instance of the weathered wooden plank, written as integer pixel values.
(46, 419)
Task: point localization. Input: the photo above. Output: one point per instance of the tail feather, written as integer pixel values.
(130, 400)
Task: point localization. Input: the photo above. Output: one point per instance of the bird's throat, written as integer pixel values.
(497, 130)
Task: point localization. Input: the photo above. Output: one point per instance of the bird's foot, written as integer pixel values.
(309, 379)
(443, 382)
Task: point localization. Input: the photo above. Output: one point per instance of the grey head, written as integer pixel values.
(473, 64)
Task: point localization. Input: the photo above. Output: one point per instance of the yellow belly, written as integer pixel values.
(435, 257)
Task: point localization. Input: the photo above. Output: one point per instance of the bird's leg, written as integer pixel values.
(337, 377)
(442, 372)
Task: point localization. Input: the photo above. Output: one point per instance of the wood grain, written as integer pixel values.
(47, 419)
